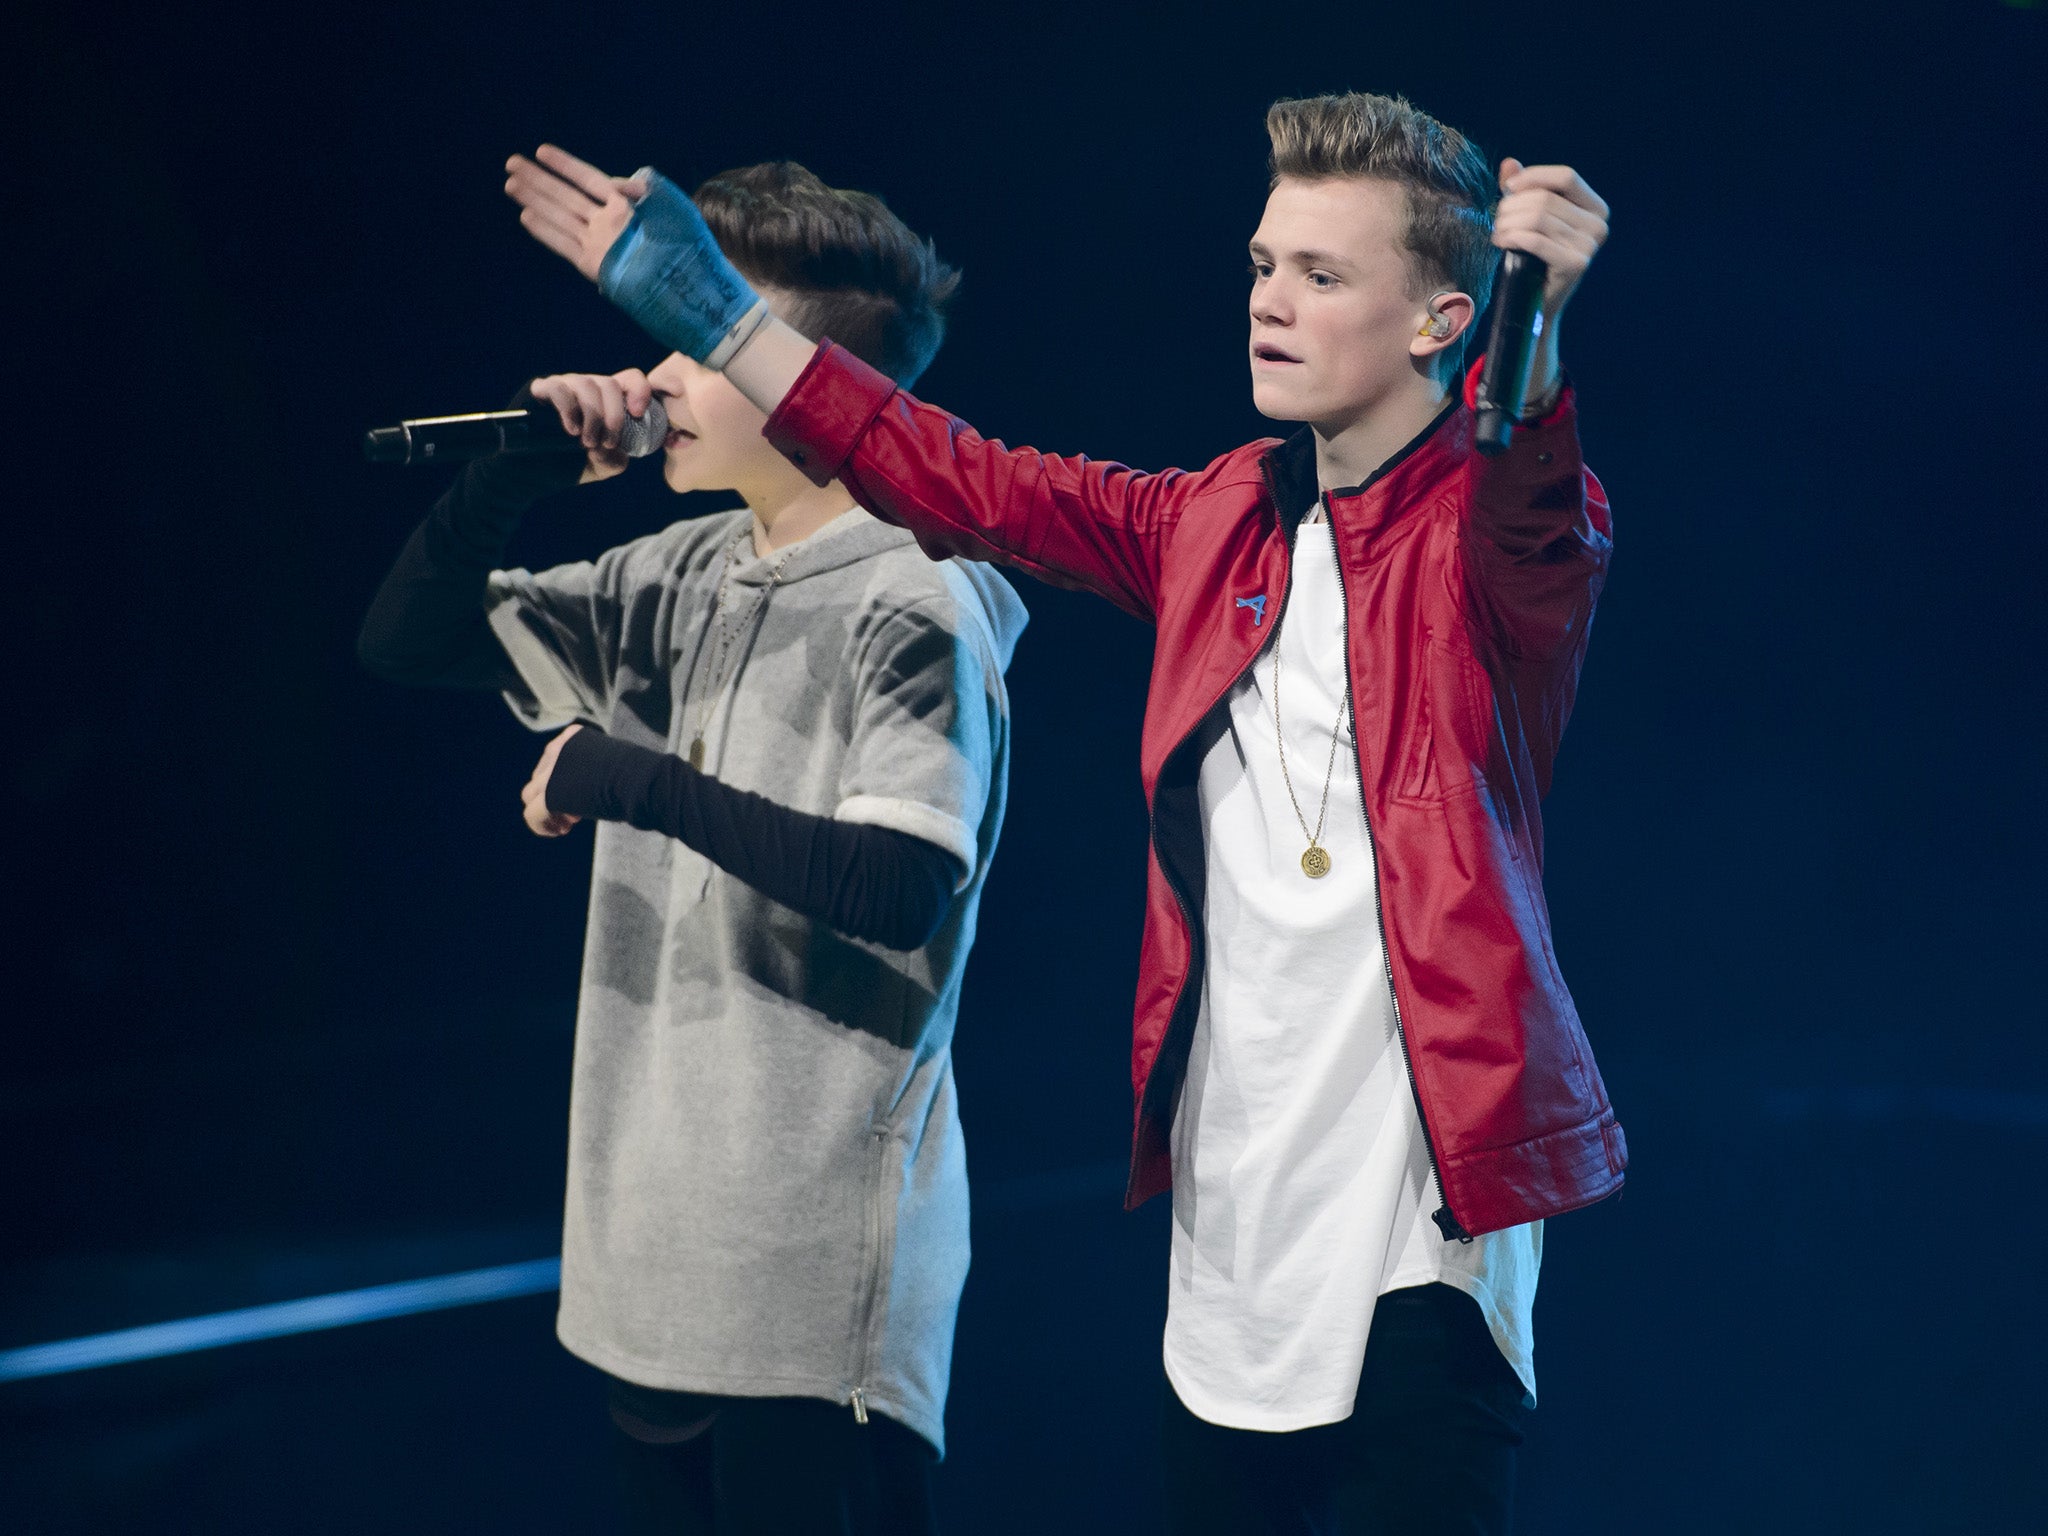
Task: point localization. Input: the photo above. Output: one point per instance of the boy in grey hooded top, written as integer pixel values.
(767, 1187)
(792, 729)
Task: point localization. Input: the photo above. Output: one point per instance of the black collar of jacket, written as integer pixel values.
(1291, 466)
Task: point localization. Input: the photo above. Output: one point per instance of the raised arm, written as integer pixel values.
(1073, 521)
(1538, 531)
(427, 626)
(1549, 212)
(1538, 535)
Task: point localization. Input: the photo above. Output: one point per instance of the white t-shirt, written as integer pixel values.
(1302, 1187)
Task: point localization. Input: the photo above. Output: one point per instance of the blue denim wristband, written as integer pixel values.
(667, 272)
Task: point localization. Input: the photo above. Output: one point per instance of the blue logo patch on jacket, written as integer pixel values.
(1257, 606)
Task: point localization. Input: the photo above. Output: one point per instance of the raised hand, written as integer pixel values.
(594, 407)
(645, 245)
(541, 821)
(1550, 212)
(570, 206)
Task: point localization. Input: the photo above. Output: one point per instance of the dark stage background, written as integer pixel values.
(291, 988)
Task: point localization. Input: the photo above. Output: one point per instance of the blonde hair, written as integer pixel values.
(1449, 186)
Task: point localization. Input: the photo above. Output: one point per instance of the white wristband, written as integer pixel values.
(741, 333)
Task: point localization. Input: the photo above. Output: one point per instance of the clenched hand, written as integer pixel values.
(534, 797)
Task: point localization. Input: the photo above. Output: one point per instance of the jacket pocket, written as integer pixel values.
(1450, 724)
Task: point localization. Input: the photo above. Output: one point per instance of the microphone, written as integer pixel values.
(446, 439)
(1510, 349)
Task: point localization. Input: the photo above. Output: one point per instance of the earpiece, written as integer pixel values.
(1436, 327)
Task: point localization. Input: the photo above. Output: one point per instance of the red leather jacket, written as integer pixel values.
(1469, 584)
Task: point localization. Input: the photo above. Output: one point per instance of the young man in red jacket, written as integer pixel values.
(1355, 1061)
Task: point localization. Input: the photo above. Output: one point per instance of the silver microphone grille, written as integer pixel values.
(645, 436)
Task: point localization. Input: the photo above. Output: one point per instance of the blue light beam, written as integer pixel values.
(309, 1315)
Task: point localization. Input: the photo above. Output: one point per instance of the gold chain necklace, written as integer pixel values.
(1315, 860)
(725, 655)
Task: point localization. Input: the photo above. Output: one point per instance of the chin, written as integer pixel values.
(1276, 402)
(682, 477)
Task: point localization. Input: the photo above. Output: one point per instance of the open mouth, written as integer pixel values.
(677, 437)
(1271, 354)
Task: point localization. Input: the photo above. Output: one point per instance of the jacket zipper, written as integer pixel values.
(1197, 948)
(871, 1282)
(1446, 1222)
(1197, 945)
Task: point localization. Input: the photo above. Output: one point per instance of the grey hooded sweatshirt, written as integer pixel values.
(767, 1184)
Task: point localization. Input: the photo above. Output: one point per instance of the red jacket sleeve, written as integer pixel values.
(1075, 522)
(1538, 535)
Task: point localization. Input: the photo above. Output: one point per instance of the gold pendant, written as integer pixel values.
(1315, 863)
(697, 753)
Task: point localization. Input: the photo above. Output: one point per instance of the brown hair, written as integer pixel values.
(850, 268)
(1451, 189)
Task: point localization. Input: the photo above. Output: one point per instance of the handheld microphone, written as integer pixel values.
(447, 439)
(1510, 349)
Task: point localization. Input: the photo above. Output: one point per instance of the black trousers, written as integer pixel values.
(1429, 1449)
(691, 1465)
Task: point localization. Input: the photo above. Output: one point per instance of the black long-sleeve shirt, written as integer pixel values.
(427, 628)
(872, 882)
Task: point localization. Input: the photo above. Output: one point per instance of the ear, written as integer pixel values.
(1442, 320)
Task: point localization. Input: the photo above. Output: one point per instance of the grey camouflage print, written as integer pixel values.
(767, 1183)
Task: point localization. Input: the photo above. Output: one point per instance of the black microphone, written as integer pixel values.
(1510, 349)
(447, 439)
